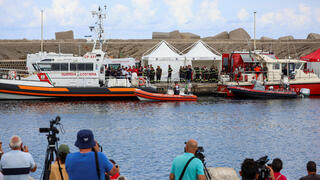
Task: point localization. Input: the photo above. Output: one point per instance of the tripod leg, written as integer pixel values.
(47, 164)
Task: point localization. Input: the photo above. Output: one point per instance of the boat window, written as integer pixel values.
(46, 60)
(55, 67)
(64, 67)
(89, 66)
(73, 67)
(35, 66)
(45, 67)
(276, 66)
(81, 67)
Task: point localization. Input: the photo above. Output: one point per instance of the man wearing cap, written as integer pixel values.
(194, 166)
(17, 163)
(82, 165)
(55, 174)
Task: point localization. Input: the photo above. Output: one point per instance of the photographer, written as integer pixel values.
(187, 163)
(88, 164)
(17, 163)
(250, 170)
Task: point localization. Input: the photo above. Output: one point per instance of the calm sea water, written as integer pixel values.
(144, 137)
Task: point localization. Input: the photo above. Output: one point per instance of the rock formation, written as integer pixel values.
(174, 35)
(313, 36)
(266, 38)
(285, 38)
(64, 35)
(222, 35)
(239, 34)
(187, 35)
(224, 173)
(160, 35)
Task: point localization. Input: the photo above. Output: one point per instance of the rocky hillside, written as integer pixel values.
(18, 49)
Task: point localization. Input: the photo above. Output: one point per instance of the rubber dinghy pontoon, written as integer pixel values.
(143, 95)
(242, 92)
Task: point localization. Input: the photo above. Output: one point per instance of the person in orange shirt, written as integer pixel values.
(257, 69)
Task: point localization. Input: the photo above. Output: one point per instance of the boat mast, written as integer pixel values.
(254, 39)
(98, 29)
(41, 31)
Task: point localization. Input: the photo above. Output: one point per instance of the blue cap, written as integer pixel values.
(85, 139)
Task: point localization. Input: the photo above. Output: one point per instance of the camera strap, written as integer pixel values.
(185, 167)
(97, 163)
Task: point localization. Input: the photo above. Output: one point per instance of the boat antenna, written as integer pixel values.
(254, 39)
(98, 29)
(42, 31)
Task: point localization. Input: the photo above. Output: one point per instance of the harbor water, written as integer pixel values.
(144, 137)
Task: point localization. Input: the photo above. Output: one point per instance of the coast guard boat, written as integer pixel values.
(52, 75)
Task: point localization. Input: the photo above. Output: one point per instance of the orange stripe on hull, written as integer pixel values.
(67, 95)
(122, 89)
(44, 88)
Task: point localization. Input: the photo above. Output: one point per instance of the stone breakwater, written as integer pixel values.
(18, 49)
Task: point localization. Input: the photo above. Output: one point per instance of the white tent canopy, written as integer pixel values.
(162, 50)
(164, 54)
(200, 54)
(202, 51)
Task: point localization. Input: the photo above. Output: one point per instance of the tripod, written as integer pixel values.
(206, 172)
(51, 150)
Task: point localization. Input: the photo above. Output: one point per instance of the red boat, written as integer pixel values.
(238, 69)
(144, 95)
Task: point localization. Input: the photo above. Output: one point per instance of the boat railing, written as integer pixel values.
(13, 73)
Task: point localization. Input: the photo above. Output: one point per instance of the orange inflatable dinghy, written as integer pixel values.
(143, 95)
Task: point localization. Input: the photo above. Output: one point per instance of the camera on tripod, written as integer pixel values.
(264, 172)
(52, 146)
(52, 128)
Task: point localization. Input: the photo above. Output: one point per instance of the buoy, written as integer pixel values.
(12, 74)
(142, 81)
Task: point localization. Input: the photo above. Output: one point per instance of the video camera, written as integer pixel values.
(264, 172)
(199, 154)
(52, 128)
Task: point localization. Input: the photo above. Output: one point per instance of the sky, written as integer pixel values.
(137, 19)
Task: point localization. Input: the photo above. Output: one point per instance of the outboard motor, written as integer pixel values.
(305, 92)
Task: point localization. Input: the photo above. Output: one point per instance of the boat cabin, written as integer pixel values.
(244, 60)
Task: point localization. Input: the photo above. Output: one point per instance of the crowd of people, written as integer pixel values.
(90, 163)
(186, 73)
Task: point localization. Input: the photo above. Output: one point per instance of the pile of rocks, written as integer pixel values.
(174, 35)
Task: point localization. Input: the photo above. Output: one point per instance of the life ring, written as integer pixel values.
(12, 74)
(142, 81)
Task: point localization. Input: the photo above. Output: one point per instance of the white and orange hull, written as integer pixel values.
(13, 89)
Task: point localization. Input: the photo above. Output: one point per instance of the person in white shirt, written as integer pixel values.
(17, 163)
